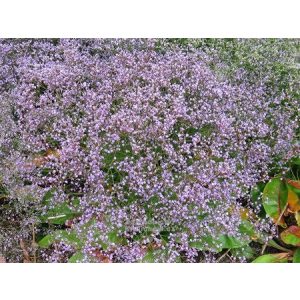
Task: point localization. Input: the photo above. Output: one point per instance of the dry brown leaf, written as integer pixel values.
(25, 252)
(294, 183)
(293, 201)
(103, 258)
(42, 159)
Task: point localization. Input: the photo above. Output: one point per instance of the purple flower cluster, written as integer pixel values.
(149, 152)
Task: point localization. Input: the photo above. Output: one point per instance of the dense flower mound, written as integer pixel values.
(126, 153)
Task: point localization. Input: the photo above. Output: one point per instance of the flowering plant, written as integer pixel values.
(138, 150)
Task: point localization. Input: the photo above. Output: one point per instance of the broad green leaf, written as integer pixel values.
(67, 237)
(125, 150)
(275, 199)
(114, 238)
(291, 236)
(198, 245)
(59, 219)
(46, 241)
(272, 258)
(296, 161)
(245, 251)
(256, 197)
(296, 257)
(207, 130)
(149, 257)
(230, 242)
(165, 235)
(76, 202)
(256, 191)
(59, 214)
(207, 243)
(153, 255)
(48, 195)
(224, 241)
(202, 216)
(77, 257)
(248, 229)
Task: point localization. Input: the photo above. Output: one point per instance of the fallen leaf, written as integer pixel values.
(103, 258)
(25, 252)
(42, 159)
(297, 217)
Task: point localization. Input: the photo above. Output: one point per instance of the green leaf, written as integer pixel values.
(256, 192)
(224, 241)
(256, 196)
(246, 228)
(291, 236)
(149, 257)
(48, 195)
(296, 257)
(245, 251)
(230, 242)
(207, 130)
(275, 199)
(67, 237)
(272, 258)
(207, 243)
(59, 214)
(59, 219)
(77, 257)
(296, 161)
(46, 241)
(165, 235)
(114, 238)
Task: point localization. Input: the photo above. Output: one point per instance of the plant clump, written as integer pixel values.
(136, 150)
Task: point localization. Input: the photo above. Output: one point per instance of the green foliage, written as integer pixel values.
(46, 241)
(296, 257)
(59, 214)
(77, 257)
(281, 198)
(229, 242)
(275, 199)
(244, 251)
(66, 236)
